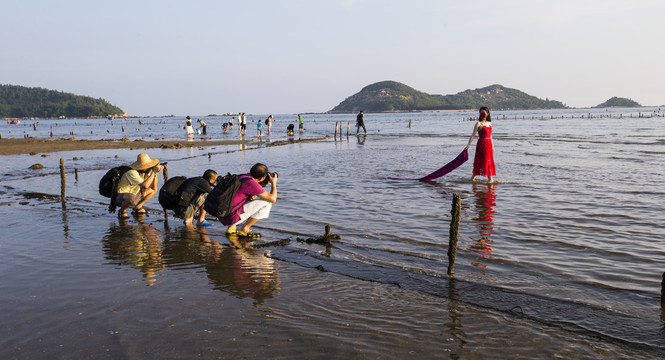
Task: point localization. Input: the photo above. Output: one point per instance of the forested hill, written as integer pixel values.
(387, 96)
(20, 102)
(619, 102)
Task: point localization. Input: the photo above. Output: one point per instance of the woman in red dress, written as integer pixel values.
(483, 162)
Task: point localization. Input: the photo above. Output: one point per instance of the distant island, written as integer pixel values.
(26, 102)
(618, 102)
(392, 96)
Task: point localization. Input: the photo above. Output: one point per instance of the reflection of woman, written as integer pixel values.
(483, 162)
(485, 202)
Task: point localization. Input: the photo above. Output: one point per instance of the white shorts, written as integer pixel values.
(256, 209)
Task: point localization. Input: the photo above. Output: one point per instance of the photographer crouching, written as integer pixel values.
(138, 185)
(255, 202)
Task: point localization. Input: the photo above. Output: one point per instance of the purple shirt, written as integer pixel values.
(246, 190)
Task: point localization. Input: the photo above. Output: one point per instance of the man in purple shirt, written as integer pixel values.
(257, 205)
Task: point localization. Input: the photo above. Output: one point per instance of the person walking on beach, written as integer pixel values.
(259, 128)
(231, 123)
(244, 124)
(257, 205)
(301, 123)
(202, 125)
(483, 162)
(360, 122)
(193, 193)
(188, 126)
(138, 185)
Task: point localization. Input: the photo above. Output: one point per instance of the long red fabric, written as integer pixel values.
(457, 162)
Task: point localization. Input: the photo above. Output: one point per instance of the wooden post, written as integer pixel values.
(165, 173)
(454, 230)
(348, 128)
(662, 290)
(51, 130)
(62, 181)
(336, 126)
(209, 156)
(76, 174)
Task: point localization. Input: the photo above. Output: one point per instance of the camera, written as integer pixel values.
(266, 181)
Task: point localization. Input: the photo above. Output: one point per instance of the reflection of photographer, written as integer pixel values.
(138, 185)
(255, 201)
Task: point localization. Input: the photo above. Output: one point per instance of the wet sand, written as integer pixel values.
(36, 145)
(32, 145)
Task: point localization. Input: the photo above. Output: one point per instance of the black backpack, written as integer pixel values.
(218, 202)
(108, 185)
(169, 193)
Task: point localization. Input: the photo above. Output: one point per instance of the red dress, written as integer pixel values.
(483, 162)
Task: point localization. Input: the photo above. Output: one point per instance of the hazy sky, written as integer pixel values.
(202, 56)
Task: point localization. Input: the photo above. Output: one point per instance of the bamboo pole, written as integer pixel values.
(76, 174)
(454, 230)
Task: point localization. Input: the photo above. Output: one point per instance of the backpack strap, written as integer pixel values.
(242, 179)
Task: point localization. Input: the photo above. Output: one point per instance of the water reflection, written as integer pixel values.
(137, 245)
(485, 200)
(239, 269)
(236, 268)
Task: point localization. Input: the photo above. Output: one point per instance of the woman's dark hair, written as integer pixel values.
(258, 171)
(489, 117)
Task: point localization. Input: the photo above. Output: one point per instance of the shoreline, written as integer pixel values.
(14, 146)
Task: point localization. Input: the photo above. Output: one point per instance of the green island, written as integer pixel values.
(393, 96)
(618, 102)
(20, 102)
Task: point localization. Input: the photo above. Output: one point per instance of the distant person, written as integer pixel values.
(244, 124)
(225, 125)
(188, 126)
(138, 185)
(259, 128)
(193, 193)
(360, 122)
(231, 123)
(202, 125)
(483, 162)
(269, 122)
(34, 124)
(290, 130)
(257, 205)
(301, 123)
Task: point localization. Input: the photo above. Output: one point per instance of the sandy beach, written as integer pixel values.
(38, 146)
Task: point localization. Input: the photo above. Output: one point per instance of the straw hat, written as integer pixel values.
(143, 161)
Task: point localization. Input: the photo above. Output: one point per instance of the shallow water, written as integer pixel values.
(561, 258)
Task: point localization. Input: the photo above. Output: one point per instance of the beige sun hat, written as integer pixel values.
(143, 161)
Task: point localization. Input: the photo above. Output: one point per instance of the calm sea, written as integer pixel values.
(563, 257)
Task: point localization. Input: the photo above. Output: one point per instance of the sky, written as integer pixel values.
(204, 57)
